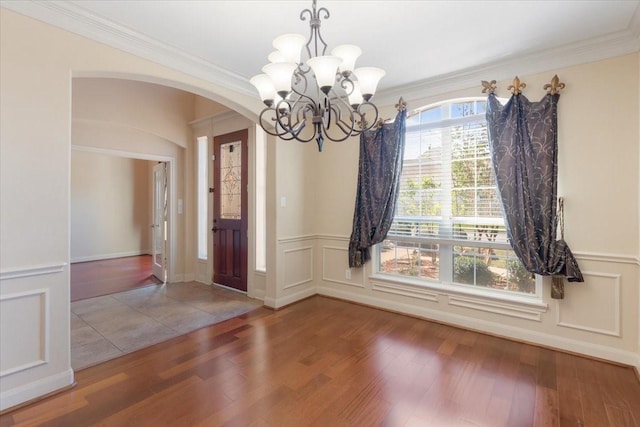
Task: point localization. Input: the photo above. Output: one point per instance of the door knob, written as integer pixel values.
(214, 229)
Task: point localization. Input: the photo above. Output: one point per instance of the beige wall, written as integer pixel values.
(204, 107)
(150, 108)
(110, 206)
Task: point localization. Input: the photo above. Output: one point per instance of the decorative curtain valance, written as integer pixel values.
(379, 171)
(524, 149)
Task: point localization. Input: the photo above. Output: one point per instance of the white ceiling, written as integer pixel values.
(418, 43)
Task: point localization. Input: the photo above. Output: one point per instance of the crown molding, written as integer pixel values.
(78, 20)
(582, 52)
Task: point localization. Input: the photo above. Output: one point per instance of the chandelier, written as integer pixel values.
(326, 97)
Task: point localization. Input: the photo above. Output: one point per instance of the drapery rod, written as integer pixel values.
(516, 88)
(401, 105)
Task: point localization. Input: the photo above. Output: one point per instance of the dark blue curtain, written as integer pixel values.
(524, 149)
(379, 171)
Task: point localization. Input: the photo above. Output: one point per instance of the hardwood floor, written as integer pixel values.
(104, 277)
(323, 362)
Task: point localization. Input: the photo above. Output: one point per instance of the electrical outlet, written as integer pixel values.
(347, 273)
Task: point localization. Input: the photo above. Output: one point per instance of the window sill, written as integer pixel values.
(529, 308)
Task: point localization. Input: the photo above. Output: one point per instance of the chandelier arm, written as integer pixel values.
(287, 128)
(347, 84)
(267, 128)
(300, 100)
(347, 130)
(343, 102)
(295, 109)
(300, 75)
(294, 130)
(366, 125)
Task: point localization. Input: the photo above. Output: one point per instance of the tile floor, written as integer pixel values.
(103, 328)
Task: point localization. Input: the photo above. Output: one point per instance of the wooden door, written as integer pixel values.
(230, 210)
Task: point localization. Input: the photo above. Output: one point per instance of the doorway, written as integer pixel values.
(130, 203)
(230, 210)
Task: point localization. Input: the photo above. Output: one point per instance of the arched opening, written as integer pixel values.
(148, 119)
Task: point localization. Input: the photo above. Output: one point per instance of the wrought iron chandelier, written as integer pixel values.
(326, 97)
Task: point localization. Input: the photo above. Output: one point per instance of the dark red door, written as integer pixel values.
(230, 210)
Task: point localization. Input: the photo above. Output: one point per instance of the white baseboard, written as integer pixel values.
(289, 299)
(598, 351)
(257, 294)
(110, 256)
(189, 277)
(24, 393)
(203, 280)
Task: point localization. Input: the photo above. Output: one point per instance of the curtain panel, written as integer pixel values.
(524, 149)
(379, 171)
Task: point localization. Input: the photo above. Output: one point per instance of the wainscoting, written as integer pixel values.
(598, 318)
(28, 366)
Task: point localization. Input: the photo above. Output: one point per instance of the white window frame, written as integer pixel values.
(202, 195)
(261, 199)
(416, 285)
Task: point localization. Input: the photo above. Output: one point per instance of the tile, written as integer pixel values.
(94, 353)
(113, 325)
(76, 322)
(142, 295)
(84, 336)
(92, 304)
(115, 319)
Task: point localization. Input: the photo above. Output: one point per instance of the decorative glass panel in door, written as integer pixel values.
(231, 180)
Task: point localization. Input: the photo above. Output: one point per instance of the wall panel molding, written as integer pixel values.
(42, 335)
(293, 239)
(615, 310)
(326, 275)
(35, 270)
(336, 237)
(404, 290)
(286, 261)
(506, 309)
(611, 258)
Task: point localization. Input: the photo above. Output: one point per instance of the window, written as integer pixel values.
(261, 197)
(448, 226)
(203, 197)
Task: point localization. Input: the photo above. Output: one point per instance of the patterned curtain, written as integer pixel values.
(380, 167)
(524, 149)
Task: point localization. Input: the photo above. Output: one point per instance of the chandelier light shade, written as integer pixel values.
(324, 96)
(348, 53)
